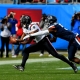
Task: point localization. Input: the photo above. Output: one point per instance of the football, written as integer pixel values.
(12, 40)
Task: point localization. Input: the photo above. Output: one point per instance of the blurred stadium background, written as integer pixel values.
(62, 9)
(40, 68)
(40, 1)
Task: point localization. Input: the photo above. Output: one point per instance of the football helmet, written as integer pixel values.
(26, 20)
(51, 19)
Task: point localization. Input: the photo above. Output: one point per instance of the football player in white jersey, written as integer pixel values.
(41, 42)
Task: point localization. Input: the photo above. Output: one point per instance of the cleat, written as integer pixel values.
(19, 67)
(74, 67)
(41, 55)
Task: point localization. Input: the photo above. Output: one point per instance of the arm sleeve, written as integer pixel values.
(45, 32)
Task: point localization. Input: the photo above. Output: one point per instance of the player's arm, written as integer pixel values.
(26, 41)
(34, 31)
(21, 39)
(53, 39)
(37, 34)
(52, 29)
(45, 32)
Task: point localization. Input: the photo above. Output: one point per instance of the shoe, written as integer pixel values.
(6, 56)
(49, 55)
(74, 67)
(19, 67)
(14, 56)
(41, 55)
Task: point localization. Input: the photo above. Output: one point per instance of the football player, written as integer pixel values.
(58, 30)
(41, 42)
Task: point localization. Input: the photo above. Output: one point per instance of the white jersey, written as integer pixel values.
(32, 27)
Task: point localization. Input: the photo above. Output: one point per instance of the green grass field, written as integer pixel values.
(43, 69)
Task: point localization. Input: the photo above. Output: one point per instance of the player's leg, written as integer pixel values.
(24, 46)
(72, 48)
(42, 52)
(54, 53)
(32, 48)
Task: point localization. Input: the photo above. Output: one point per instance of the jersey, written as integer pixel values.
(32, 27)
(19, 30)
(62, 32)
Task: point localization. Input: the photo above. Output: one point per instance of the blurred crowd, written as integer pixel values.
(45, 1)
(40, 1)
(75, 23)
(7, 27)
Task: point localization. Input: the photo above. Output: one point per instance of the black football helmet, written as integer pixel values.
(51, 19)
(26, 20)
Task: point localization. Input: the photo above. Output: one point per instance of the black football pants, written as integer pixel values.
(46, 44)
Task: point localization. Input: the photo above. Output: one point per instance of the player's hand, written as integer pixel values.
(27, 36)
(12, 40)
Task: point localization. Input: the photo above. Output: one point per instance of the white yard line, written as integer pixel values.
(29, 61)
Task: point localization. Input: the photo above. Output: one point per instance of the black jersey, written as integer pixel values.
(62, 32)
